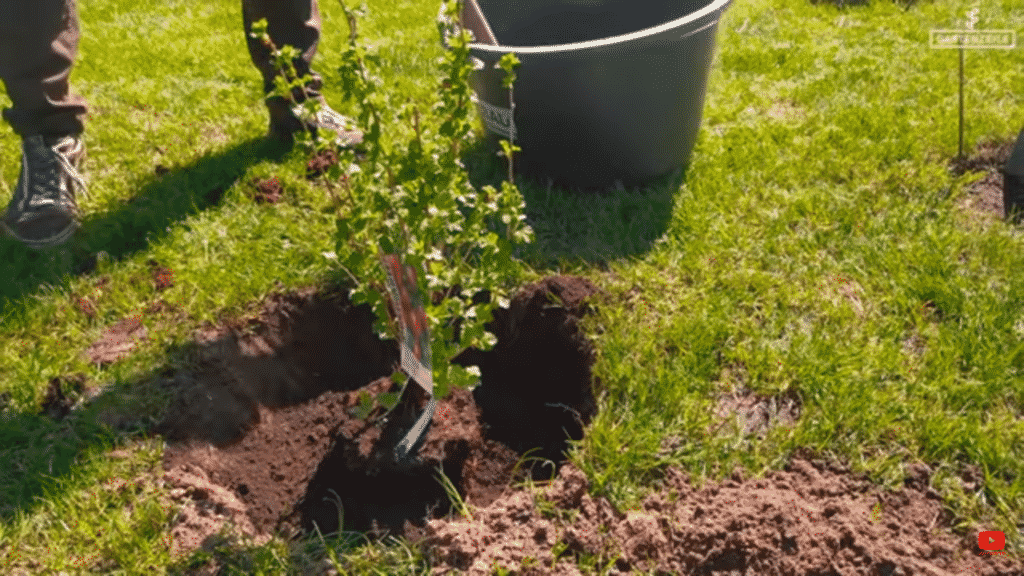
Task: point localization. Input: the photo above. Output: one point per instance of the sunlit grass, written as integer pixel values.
(814, 247)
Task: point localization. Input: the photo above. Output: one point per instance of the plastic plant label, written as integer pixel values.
(976, 39)
(414, 347)
(414, 333)
(498, 120)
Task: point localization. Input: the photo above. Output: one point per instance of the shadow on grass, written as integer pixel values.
(588, 226)
(162, 200)
(40, 449)
(36, 451)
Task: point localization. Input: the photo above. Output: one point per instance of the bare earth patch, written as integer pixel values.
(268, 191)
(117, 341)
(274, 416)
(320, 163)
(985, 196)
(207, 514)
(807, 519)
(754, 414)
(163, 277)
(271, 433)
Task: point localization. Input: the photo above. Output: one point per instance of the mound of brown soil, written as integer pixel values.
(807, 519)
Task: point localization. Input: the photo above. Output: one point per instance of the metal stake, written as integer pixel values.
(960, 152)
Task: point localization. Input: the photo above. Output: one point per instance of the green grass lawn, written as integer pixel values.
(815, 249)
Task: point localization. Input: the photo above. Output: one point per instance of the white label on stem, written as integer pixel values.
(414, 333)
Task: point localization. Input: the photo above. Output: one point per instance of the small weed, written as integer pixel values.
(335, 499)
(453, 495)
(527, 459)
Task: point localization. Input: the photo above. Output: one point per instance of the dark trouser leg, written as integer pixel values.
(38, 44)
(289, 22)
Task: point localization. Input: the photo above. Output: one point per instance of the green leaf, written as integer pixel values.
(388, 399)
(387, 244)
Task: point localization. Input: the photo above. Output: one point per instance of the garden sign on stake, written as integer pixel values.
(973, 39)
(414, 345)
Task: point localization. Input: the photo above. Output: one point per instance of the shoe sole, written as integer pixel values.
(52, 242)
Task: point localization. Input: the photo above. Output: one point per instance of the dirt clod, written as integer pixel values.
(62, 393)
(268, 191)
(163, 277)
(321, 163)
(117, 341)
(85, 306)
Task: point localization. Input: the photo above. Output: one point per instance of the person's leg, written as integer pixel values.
(38, 44)
(293, 23)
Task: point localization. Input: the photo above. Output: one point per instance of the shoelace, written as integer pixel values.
(46, 178)
(331, 120)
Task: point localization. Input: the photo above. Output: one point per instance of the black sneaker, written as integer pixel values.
(285, 121)
(43, 212)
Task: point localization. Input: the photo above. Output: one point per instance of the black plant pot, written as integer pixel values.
(607, 90)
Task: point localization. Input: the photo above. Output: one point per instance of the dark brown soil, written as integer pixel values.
(268, 191)
(321, 162)
(985, 196)
(163, 277)
(987, 156)
(381, 497)
(536, 382)
(270, 414)
(299, 346)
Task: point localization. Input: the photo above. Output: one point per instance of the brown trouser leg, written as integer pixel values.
(38, 44)
(289, 22)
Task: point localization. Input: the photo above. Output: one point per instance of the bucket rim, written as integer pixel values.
(711, 8)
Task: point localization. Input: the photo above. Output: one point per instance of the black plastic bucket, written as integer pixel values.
(608, 90)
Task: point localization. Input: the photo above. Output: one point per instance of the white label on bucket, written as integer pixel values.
(498, 120)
